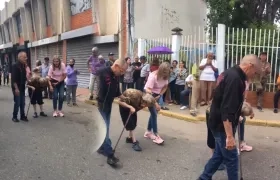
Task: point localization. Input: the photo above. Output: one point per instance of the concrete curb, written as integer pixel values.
(199, 118)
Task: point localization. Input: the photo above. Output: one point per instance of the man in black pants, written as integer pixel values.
(18, 86)
(136, 73)
(108, 90)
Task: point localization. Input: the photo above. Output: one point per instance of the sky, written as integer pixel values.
(2, 3)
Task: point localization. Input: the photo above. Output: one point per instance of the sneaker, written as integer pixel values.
(112, 160)
(75, 104)
(259, 108)
(149, 135)
(54, 114)
(60, 114)
(68, 104)
(129, 140)
(15, 120)
(35, 115)
(275, 110)
(136, 146)
(193, 114)
(158, 140)
(24, 118)
(183, 107)
(43, 114)
(245, 147)
(165, 108)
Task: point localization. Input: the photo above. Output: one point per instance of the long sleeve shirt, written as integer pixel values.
(227, 100)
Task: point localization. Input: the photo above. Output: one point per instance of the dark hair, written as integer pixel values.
(263, 53)
(184, 64)
(155, 62)
(38, 63)
(73, 60)
(175, 61)
(46, 58)
(59, 65)
(126, 59)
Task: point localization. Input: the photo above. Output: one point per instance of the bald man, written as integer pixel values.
(224, 115)
(108, 90)
(18, 78)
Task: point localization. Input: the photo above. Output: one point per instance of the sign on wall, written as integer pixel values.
(79, 6)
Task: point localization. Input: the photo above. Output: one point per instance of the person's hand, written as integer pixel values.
(157, 107)
(230, 143)
(51, 88)
(16, 92)
(132, 110)
(240, 119)
(209, 62)
(252, 115)
(33, 88)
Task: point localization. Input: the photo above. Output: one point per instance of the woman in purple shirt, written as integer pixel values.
(71, 82)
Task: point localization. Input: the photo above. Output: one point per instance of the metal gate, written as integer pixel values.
(80, 50)
(32, 57)
(42, 52)
(55, 49)
(105, 49)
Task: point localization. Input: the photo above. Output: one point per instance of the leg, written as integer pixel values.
(130, 86)
(244, 146)
(22, 105)
(260, 96)
(8, 80)
(55, 97)
(61, 95)
(203, 89)
(16, 106)
(176, 94)
(194, 97)
(276, 99)
(210, 87)
(91, 81)
(74, 90)
(184, 97)
(124, 85)
(69, 90)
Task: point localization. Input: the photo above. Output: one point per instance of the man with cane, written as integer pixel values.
(108, 90)
(18, 78)
(224, 116)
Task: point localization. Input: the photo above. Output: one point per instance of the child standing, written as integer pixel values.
(35, 93)
(71, 82)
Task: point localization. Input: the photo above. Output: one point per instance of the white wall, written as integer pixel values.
(156, 18)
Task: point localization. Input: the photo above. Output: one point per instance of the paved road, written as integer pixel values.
(59, 149)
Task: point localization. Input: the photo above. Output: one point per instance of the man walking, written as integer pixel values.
(45, 69)
(225, 110)
(18, 86)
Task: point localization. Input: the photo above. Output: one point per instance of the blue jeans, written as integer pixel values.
(221, 155)
(58, 95)
(161, 102)
(106, 114)
(152, 124)
(19, 104)
(184, 97)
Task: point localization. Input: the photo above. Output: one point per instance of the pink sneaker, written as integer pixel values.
(60, 114)
(54, 114)
(158, 140)
(149, 135)
(245, 147)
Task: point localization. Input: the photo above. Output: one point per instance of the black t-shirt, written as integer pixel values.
(108, 86)
(136, 73)
(18, 76)
(227, 100)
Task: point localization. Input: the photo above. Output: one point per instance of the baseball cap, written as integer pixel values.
(111, 54)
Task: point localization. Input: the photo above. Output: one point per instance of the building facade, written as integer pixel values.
(67, 28)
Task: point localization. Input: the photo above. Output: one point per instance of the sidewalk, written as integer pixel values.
(265, 118)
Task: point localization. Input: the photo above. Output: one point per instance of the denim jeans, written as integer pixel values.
(152, 124)
(58, 95)
(19, 104)
(105, 111)
(161, 102)
(184, 97)
(229, 157)
(172, 89)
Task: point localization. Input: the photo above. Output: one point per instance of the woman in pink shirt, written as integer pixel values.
(57, 75)
(156, 85)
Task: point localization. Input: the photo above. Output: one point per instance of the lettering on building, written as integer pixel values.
(79, 6)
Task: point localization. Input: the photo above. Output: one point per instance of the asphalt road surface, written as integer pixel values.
(60, 149)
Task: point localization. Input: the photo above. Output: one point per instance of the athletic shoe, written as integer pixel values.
(136, 146)
(35, 115)
(43, 114)
(112, 160)
(60, 114)
(15, 120)
(183, 107)
(24, 118)
(275, 110)
(54, 114)
(158, 140)
(245, 147)
(149, 135)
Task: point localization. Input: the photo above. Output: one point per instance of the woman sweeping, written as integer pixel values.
(131, 101)
(56, 76)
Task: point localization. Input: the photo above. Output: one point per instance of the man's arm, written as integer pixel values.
(14, 76)
(230, 103)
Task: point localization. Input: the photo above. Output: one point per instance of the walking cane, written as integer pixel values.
(239, 144)
(121, 133)
(29, 103)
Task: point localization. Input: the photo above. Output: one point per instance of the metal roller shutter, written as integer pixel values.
(32, 57)
(80, 50)
(105, 49)
(42, 52)
(55, 49)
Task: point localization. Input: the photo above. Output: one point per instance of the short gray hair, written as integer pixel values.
(148, 99)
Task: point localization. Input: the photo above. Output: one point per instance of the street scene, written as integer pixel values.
(60, 148)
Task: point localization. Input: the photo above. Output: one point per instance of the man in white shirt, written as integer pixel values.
(208, 67)
(145, 70)
(184, 95)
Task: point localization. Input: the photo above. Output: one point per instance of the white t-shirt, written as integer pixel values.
(189, 78)
(145, 70)
(207, 74)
